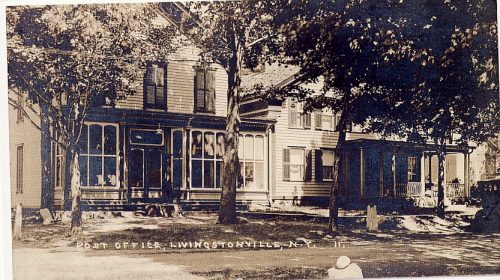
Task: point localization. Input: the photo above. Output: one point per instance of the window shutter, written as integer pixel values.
(308, 173)
(149, 88)
(348, 127)
(307, 120)
(292, 118)
(286, 164)
(199, 85)
(195, 92)
(210, 91)
(317, 120)
(20, 109)
(319, 165)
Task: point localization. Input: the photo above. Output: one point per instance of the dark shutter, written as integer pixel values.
(210, 91)
(286, 164)
(319, 165)
(292, 117)
(149, 89)
(200, 90)
(348, 127)
(317, 120)
(308, 173)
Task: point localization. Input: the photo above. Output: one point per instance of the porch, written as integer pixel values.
(384, 169)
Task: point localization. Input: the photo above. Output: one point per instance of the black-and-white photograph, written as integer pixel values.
(257, 139)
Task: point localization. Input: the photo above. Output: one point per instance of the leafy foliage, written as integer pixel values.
(76, 56)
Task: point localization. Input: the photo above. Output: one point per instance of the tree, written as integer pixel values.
(344, 42)
(375, 58)
(453, 93)
(67, 58)
(231, 34)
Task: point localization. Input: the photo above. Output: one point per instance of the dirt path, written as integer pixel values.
(47, 251)
(73, 264)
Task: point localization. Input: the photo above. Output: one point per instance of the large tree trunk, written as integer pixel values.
(76, 213)
(336, 182)
(441, 153)
(227, 213)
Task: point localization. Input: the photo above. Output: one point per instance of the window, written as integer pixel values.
(297, 118)
(306, 120)
(204, 90)
(324, 165)
(412, 169)
(207, 149)
(20, 169)
(155, 96)
(294, 164)
(327, 121)
(251, 154)
(98, 155)
(20, 108)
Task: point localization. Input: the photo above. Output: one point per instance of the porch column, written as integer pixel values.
(381, 171)
(361, 173)
(124, 163)
(347, 175)
(445, 181)
(422, 174)
(430, 168)
(393, 169)
(466, 174)
(185, 163)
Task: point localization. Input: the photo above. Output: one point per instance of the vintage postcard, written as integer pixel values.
(281, 139)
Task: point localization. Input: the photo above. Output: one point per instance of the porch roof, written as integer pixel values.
(146, 117)
(394, 144)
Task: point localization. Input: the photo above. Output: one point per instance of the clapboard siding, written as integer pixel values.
(180, 85)
(298, 137)
(26, 134)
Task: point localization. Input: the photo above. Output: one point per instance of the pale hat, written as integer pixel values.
(342, 262)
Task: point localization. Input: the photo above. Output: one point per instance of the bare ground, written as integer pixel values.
(389, 253)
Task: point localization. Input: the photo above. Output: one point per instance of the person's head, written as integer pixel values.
(342, 262)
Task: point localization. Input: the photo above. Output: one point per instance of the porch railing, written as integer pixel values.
(408, 189)
(413, 189)
(455, 190)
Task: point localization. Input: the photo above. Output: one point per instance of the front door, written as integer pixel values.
(146, 172)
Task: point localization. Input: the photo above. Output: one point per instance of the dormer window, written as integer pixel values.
(204, 90)
(155, 90)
